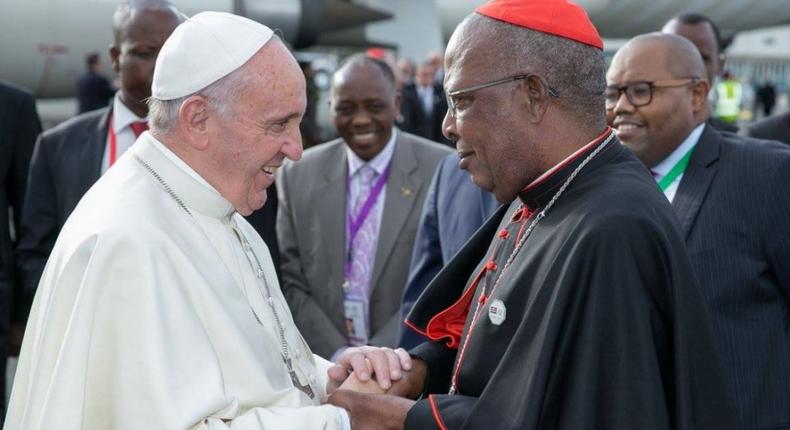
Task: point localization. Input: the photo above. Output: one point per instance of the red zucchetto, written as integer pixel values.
(558, 17)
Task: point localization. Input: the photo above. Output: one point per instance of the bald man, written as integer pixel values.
(731, 196)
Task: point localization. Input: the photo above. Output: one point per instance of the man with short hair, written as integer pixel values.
(94, 90)
(575, 306)
(730, 194)
(159, 307)
(706, 37)
(423, 106)
(71, 157)
(349, 212)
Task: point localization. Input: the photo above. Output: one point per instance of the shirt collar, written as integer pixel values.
(122, 116)
(661, 169)
(195, 192)
(379, 163)
(541, 190)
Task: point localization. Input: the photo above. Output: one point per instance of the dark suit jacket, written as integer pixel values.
(413, 118)
(66, 163)
(454, 209)
(311, 227)
(19, 126)
(776, 127)
(734, 207)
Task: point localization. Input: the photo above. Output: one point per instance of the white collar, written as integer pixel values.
(379, 163)
(185, 183)
(662, 168)
(122, 116)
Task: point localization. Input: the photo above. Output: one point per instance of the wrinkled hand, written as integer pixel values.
(372, 411)
(352, 383)
(387, 365)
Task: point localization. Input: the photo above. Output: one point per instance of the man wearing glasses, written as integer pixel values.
(731, 195)
(574, 306)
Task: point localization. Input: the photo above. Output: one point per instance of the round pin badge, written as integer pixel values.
(497, 312)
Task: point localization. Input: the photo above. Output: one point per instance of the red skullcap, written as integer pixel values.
(558, 17)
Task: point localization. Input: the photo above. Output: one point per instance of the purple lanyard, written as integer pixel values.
(355, 224)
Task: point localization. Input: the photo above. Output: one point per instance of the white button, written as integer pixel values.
(312, 379)
(298, 354)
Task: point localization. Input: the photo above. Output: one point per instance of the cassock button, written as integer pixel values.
(491, 266)
(497, 312)
(504, 234)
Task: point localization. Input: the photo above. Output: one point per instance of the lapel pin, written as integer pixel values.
(406, 192)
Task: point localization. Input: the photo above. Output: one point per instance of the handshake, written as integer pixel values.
(376, 386)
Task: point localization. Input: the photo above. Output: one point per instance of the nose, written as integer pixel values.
(361, 118)
(449, 128)
(292, 147)
(623, 105)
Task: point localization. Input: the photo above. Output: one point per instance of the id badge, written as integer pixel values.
(356, 328)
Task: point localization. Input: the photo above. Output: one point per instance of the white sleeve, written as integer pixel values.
(307, 417)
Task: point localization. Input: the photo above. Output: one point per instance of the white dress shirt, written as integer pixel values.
(379, 163)
(662, 169)
(122, 118)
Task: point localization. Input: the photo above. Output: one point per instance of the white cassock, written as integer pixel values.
(150, 315)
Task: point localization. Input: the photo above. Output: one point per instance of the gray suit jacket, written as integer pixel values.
(311, 229)
(733, 203)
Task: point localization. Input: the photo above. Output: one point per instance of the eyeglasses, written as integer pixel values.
(451, 104)
(641, 93)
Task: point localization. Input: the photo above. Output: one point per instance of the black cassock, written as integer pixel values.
(600, 321)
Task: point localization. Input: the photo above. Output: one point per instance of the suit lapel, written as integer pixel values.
(97, 146)
(403, 187)
(331, 194)
(697, 179)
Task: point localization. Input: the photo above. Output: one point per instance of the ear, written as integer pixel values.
(536, 98)
(115, 53)
(193, 119)
(699, 95)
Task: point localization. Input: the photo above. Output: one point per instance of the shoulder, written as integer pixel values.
(314, 160)
(87, 122)
(751, 155)
(423, 147)
(14, 93)
(769, 127)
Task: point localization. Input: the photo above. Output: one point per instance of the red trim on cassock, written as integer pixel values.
(414, 327)
(449, 323)
(435, 411)
(601, 137)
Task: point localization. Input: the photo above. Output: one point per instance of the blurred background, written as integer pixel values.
(44, 43)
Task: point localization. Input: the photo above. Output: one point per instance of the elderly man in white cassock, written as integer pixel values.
(159, 307)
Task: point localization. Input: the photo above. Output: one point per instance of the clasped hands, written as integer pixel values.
(376, 386)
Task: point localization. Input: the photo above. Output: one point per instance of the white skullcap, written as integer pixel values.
(203, 49)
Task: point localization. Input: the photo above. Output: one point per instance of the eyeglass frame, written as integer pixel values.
(451, 105)
(663, 83)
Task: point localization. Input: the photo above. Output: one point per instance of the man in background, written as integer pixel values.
(94, 90)
(706, 37)
(19, 126)
(423, 106)
(349, 212)
(731, 196)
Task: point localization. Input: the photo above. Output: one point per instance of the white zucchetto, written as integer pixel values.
(203, 49)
